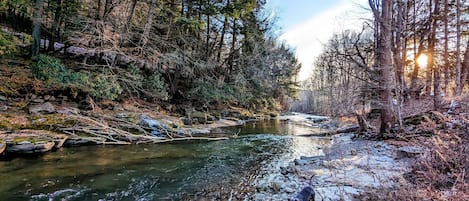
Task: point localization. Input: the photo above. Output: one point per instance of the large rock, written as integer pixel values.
(45, 108)
(27, 147)
(153, 124)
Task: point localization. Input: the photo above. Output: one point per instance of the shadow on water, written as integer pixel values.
(152, 172)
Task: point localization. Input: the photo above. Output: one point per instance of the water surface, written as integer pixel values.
(154, 172)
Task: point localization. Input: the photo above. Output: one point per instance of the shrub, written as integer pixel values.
(157, 86)
(8, 44)
(51, 70)
(99, 85)
(208, 91)
(104, 86)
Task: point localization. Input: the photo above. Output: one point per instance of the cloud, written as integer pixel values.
(308, 37)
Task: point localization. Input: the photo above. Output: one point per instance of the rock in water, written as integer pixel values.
(26, 147)
(305, 194)
(153, 124)
(45, 108)
(186, 121)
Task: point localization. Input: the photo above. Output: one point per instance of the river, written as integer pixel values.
(159, 171)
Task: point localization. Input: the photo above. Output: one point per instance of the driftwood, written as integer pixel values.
(102, 132)
(333, 132)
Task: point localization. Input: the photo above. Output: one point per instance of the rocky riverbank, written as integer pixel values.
(345, 169)
(37, 124)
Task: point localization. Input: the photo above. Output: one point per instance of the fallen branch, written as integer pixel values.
(334, 132)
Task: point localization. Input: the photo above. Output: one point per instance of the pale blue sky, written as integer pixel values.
(308, 24)
(293, 12)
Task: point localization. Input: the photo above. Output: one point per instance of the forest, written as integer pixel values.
(409, 50)
(206, 52)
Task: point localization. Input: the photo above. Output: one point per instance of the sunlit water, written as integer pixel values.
(155, 172)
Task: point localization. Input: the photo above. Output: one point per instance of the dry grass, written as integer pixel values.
(442, 173)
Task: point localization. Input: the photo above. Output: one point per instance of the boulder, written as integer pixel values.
(200, 117)
(153, 124)
(45, 108)
(186, 121)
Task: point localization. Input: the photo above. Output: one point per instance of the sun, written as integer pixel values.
(422, 60)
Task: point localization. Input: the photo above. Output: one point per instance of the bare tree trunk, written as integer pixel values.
(465, 66)
(385, 62)
(431, 61)
(99, 11)
(233, 46)
(223, 32)
(36, 34)
(131, 14)
(146, 30)
(446, 54)
(55, 25)
(459, 84)
(428, 82)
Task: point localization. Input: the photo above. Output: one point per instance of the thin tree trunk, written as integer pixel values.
(223, 32)
(446, 54)
(131, 14)
(36, 33)
(431, 56)
(233, 46)
(99, 10)
(429, 74)
(465, 66)
(459, 84)
(55, 25)
(146, 30)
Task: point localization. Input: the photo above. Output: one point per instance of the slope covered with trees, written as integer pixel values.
(202, 52)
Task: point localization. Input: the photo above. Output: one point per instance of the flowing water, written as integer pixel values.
(155, 172)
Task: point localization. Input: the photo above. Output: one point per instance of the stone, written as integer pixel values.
(47, 97)
(3, 108)
(38, 100)
(200, 116)
(300, 162)
(3, 98)
(26, 147)
(68, 110)
(276, 186)
(409, 151)
(45, 108)
(186, 121)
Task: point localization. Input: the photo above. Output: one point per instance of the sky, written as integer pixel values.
(308, 24)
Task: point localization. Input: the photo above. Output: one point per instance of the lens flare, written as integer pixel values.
(422, 60)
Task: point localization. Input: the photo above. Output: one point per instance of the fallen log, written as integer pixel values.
(350, 129)
(192, 138)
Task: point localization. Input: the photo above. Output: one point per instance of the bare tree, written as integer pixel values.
(384, 58)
